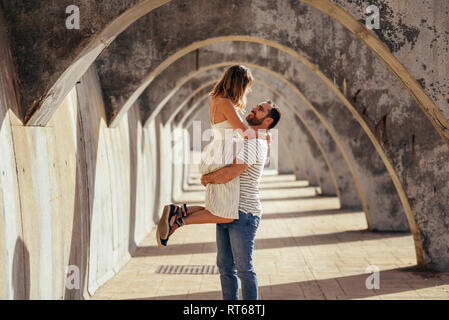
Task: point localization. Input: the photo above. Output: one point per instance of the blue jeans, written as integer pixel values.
(235, 245)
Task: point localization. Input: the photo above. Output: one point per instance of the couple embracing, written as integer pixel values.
(232, 183)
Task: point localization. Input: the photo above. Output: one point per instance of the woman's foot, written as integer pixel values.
(177, 221)
(169, 214)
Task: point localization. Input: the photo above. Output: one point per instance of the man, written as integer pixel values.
(235, 240)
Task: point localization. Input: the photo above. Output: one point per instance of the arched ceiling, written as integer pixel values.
(133, 42)
(104, 23)
(171, 109)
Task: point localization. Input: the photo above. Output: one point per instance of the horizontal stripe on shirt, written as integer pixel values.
(254, 154)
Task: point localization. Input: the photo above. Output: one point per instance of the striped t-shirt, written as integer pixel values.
(254, 154)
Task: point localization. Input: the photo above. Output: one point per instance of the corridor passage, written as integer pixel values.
(101, 103)
(306, 248)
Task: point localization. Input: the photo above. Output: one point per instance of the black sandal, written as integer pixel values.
(162, 243)
(184, 212)
(179, 221)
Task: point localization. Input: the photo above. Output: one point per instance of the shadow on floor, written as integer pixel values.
(312, 213)
(21, 271)
(401, 281)
(197, 188)
(309, 240)
(194, 199)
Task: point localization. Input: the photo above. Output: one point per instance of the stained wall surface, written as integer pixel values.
(76, 196)
(87, 119)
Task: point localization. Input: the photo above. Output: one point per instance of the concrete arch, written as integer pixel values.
(369, 39)
(348, 105)
(305, 168)
(301, 97)
(247, 63)
(312, 172)
(288, 163)
(333, 134)
(170, 114)
(179, 101)
(43, 107)
(194, 105)
(174, 100)
(326, 185)
(420, 190)
(307, 155)
(345, 169)
(416, 175)
(40, 112)
(313, 176)
(409, 82)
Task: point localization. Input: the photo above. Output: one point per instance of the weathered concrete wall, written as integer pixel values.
(346, 68)
(14, 256)
(74, 193)
(406, 33)
(41, 59)
(184, 114)
(164, 136)
(172, 99)
(314, 27)
(291, 163)
(213, 54)
(277, 61)
(290, 120)
(296, 136)
(123, 175)
(284, 165)
(417, 33)
(348, 187)
(48, 175)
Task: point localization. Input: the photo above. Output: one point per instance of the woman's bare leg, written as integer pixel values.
(193, 209)
(204, 216)
(199, 217)
(190, 210)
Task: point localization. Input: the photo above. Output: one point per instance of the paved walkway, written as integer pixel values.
(306, 248)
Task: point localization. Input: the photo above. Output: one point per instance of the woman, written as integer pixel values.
(222, 200)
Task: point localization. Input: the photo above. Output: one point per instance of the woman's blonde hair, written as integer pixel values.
(233, 86)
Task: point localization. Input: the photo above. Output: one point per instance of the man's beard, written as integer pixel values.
(253, 121)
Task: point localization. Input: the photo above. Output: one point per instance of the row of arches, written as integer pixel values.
(357, 125)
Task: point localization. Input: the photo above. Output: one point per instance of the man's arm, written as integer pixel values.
(224, 174)
(249, 155)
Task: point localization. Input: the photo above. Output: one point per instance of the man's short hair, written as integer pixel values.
(274, 114)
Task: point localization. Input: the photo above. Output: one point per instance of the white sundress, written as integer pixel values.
(222, 200)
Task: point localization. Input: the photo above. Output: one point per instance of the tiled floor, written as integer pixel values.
(306, 248)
